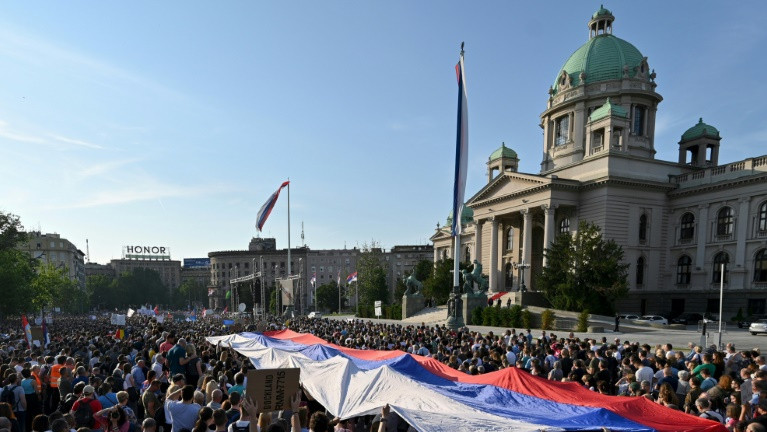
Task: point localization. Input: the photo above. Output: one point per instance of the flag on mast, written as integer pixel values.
(461, 148)
(352, 278)
(268, 206)
(313, 281)
(27, 330)
(338, 281)
(46, 336)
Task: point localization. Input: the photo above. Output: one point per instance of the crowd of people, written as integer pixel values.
(165, 377)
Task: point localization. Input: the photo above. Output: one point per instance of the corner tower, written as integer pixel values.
(607, 77)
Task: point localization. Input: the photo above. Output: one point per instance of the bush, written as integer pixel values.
(393, 312)
(547, 319)
(515, 316)
(497, 318)
(476, 316)
(489, 316)
(527, 319)
(583, 321)
(505, 317)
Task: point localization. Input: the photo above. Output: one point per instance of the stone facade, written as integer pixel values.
(58, 251)
(677, 221)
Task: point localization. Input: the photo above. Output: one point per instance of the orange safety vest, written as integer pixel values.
(55, 375)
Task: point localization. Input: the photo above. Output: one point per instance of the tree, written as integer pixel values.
(423, 270)
(51, 285)
(440, 284)
(17, 268)
(584, 272)
(98, 289)
(193, 291)
(371, 277)
(327, 297)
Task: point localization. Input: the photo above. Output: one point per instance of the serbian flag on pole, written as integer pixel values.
(268, 206)
(461, 148)
(157, 310)
(27, 330)
(352, 278)
(46, 336)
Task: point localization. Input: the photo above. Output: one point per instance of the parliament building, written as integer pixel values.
(677, 221)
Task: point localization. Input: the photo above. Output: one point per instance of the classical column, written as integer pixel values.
(436, 255)
(527, 241)
(492, 269)
(700, 255)
(548, 231)
(741, 230)
(478, 241)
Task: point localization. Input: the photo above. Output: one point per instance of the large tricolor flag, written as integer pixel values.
(268, 206)
(461, 148)
(351, 278)
(431, 396)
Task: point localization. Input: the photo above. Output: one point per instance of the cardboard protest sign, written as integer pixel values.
(37, 334)
(272, 389)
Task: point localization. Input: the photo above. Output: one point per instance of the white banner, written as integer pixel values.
(160, 318)
(117, 319)
(130, 313)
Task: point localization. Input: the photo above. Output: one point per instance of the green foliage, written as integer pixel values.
(17, 268)
(440, 285)
(193, 291)
(515, 316)
(371, 277)
(739, 316)
(327, 297)
(476, 316)
(547, 319)
(527, 319)
(50, 286)
(583, 321)
(393, 312)
(423, 270)
(584, 272)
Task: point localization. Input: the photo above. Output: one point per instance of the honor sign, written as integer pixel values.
(146, 252)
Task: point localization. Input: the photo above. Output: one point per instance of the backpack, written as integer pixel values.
(84, 414)
(66, 404)
(237, 428)
(8, 396)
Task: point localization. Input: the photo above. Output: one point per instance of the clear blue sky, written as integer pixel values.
(170, 123)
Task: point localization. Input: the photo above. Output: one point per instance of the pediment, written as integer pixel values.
(509, 183)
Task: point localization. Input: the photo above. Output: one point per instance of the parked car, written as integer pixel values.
(748, 320)
(628, 317)
(687, 318)
(653, 319)
(760, 326)
(315, 314)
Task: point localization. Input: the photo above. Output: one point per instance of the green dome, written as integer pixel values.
(601, 12)
(504, 152)
(607, 110)
(699, 130)
(601, 58)
(467, 216)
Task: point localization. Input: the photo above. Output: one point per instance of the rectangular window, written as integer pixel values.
(562, 130)
(756, 306)
(639, 119)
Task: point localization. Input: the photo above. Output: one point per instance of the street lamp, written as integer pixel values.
(521, 266)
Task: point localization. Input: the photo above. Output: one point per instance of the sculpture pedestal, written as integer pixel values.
(412, 304)
(454, 311)
(471, 302)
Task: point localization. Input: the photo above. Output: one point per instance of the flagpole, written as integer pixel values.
(290, 273)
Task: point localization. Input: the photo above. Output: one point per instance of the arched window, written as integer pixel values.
(564, 225)
(510, 240)
(724, 222)
(687, 230)
(719, 259)
(643, 228)
(467, 255)
(760, 266)
(640, 271)
(762, 218)
(683, 270)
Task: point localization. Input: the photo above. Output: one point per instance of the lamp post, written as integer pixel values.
(521, 266)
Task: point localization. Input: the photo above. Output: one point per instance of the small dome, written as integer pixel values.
(601, 12)
(607, 110)
(467, 216)
(503, 152)
(699, 130)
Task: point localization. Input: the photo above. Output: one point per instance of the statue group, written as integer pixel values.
(475, 276)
